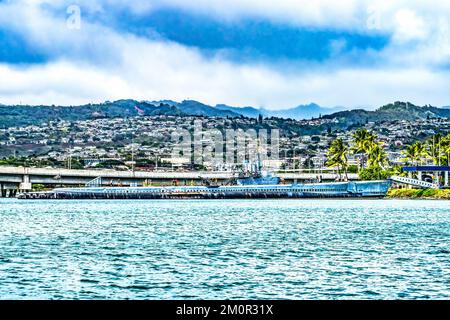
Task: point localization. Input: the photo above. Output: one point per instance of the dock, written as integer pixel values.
(14, 180)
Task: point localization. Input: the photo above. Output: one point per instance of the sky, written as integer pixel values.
(261, 53)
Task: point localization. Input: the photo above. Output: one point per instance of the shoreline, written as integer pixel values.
(419, 194)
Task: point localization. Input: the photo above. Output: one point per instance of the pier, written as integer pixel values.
(19, 179)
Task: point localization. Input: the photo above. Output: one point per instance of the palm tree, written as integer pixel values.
(435, 150)
(415, 153)
(410, 154)
(337, 157)
(377, 156)
(445, 144)
(421, 151)
(364, 141)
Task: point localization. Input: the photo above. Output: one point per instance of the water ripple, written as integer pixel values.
(224, 249)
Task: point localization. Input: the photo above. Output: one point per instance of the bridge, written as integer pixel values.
(15, 179)
(439, 174)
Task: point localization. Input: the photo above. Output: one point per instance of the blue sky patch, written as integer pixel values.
(249, 39)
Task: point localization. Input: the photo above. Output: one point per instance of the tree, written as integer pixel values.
(446, 148)
(364, 141)
(377, 156)
(435, 149)
(415, 153)
(337, 157)
(377, 159)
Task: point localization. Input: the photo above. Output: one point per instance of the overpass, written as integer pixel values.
(14, 179)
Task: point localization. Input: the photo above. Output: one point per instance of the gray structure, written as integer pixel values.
(436, 173)
(19, 179)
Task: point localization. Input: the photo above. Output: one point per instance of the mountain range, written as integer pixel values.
(20, 115)
(300, 112)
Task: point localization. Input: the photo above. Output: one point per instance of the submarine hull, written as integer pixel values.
(368, 189)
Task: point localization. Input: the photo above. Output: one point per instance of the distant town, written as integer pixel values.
(143, 143)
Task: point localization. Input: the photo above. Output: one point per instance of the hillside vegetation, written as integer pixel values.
(432, 194)
(23, 115)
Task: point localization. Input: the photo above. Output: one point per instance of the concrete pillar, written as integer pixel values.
(26, 184)
(419, 175)
(446, 178)
(2, 191)
(410, 175)
(436, 177)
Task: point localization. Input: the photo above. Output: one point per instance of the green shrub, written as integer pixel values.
(419, 194)
(38, 187)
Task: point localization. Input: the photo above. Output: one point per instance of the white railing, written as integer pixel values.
(415, 182)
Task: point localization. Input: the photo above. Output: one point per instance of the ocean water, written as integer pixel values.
(231, 249)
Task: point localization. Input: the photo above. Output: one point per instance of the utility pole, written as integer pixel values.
(132, 147)
(69, 159)
(132, 154)
(439, 151)
(434, 150)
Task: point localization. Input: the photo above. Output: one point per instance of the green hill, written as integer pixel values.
(391, 112)
(22, 115)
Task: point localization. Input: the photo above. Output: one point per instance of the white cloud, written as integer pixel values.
(164, 74)
(347, 14)
(409, 26)
(59, 82)
(392, 16)
(126, 66)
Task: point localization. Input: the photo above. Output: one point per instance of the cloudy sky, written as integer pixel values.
(275, 54)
